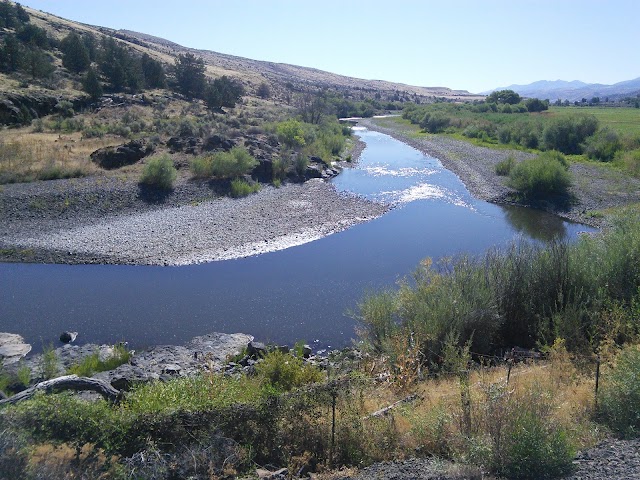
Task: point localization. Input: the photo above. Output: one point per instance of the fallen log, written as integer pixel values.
(68, 382)
(384, 411)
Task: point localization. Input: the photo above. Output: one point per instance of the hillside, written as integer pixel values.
(252, 72)
(283, 74)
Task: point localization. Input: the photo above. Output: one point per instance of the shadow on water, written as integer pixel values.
(298, 293)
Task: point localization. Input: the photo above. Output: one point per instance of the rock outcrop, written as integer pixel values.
(12, 348)
(111, 158)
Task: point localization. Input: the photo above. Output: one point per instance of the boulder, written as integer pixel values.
(111, 158)
(184, 144)
(217, 142)
(256, 349)
(20, 109)
(68, 337)
(313, 170)
(263, 172)
(12, 348)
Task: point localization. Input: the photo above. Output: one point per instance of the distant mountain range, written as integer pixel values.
(575, 90)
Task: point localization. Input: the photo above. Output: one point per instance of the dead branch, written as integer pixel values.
(68, 382)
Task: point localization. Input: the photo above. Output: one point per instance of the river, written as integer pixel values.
(301, 293)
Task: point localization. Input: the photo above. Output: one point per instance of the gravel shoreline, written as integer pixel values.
(181, 231)
(594, 188)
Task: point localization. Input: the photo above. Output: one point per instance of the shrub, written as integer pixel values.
(603, 145)
(377, 315)
(291, 133)
(279, 167)
(284, 372)
(536, 105)
(630, 161)
(532, 445)
(437, 123)
(568, 134)
(49, 363)
(505, 166)
(159, 172)
(231, 164)
(546, 174)
(619, 405)
(241, 188)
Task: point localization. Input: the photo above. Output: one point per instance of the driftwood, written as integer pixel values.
(383, 411)
(68, 382)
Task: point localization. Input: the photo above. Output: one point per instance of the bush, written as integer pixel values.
(159, 172)
(536, 105)
(568, 134)
(241, 188)
(630, 161)
(231, 164)
(291, 133)
(603, 145)
(505, 166)
(531, 445)
(546, 174)
(436, 123)
(284, 372)
(619, 405)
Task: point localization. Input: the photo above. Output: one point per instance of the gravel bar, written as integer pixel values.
(104, 220)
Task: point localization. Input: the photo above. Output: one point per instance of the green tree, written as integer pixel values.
(264, 91)
(10, 54)
(537, 105)
(504, 96)
(153, 72)
(38, 63)
(34, 36)
(189, 75)
(120, 68)
(75, 56)
(91, 84)
(223, 92)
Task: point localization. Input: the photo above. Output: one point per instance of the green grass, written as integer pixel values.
(93, 364)
(241, 188)
(625, 121)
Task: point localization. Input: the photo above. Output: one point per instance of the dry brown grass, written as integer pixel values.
(26, 156)
(435, 423)
(64, 462)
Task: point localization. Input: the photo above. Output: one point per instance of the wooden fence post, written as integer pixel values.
(597, 378)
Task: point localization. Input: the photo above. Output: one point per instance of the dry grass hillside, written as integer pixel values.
(253, 72)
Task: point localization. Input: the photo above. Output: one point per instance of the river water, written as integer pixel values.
(301, 293)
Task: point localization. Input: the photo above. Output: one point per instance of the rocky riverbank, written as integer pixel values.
(594, 188)
(113, 221)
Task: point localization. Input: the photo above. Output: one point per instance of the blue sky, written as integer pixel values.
(470, 45)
